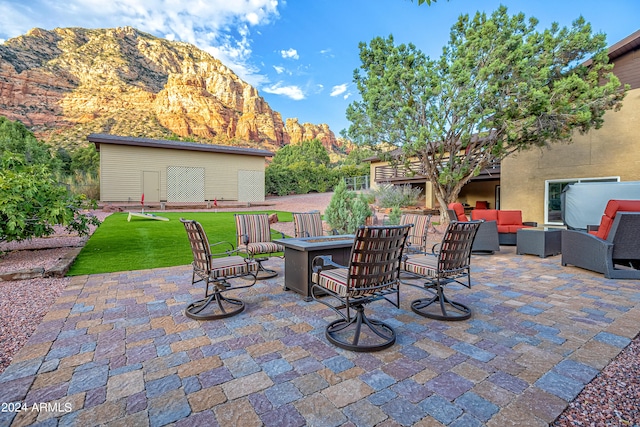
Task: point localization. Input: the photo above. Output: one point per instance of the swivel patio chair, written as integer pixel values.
(417, 239)
(253, 234)
(215, 273)
(372, 274)
(448, 264)
(308, 224)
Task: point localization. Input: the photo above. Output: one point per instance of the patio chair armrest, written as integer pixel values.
(585, 250)
(232, 249)
(530, 223)
(324, 262)
(244, 238)
(279, 234)
(435, 249)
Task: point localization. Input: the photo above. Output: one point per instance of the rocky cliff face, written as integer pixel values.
(69, 82)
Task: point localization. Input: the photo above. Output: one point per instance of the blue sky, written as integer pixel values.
(301, 54)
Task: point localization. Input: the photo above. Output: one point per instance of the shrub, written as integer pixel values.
(346, 211)
(394, 215)
(389, 195)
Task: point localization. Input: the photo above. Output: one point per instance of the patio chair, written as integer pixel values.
(372, 274)
(308, 224)
(417, 239)
(449, 264)
(215, 273)
(253, 234)
(614, 253)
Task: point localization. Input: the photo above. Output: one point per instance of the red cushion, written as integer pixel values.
(486, 214)
(515, 228)
(510, 217)
(614, 206)
(503, 228)
(605, 226)
(459, 210)
(482, 204)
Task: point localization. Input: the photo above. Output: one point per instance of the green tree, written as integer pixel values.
(312, 152)
(16, 138)
(500, 86)
(32, 201)
(85, 160)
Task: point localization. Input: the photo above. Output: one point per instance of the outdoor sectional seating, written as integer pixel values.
(508, 223)
(613, 247)
(486, 239)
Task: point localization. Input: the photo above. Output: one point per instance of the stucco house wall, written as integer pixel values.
(613, 151)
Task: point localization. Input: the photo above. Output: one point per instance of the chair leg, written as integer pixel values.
(266, 272)
(217, 307)
(449, 310)
(348, 334)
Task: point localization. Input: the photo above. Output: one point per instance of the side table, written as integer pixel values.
(541, 241)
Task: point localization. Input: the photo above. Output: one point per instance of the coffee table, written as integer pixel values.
(300, 252)
(541, 241)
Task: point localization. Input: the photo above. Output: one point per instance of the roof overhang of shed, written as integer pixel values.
(98, 139)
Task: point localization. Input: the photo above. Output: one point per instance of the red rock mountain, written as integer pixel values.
(69, 82)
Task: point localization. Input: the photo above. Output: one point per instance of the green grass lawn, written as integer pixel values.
(118, 245)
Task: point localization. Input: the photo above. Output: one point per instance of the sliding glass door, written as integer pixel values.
(553, 190)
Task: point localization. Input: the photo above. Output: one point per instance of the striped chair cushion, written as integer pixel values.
(427, 266)
(308, 224)
(231, 266)
(422, 265)
(336, 281)
(417, 235)
(255, 226)
(264, 248)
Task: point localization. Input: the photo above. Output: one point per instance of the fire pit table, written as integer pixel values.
(300, 252)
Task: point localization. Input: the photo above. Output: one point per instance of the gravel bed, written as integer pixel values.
(23, 304)
(612, 398)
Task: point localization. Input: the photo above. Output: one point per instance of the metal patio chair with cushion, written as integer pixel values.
(308, 224)
(417, 239)
(450, 263)
(372, 274)
(253, 234)
(215, 269)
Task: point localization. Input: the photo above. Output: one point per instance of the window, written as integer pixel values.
(552, 191)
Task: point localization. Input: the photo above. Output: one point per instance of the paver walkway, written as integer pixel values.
(116, 349)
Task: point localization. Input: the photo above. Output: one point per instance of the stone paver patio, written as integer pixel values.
(117, 350)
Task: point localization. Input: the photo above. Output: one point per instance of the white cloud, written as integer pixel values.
(278, 69)
(338, 90)
(293, 92)
(290, 53)
(347, 95)
(221, 27)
